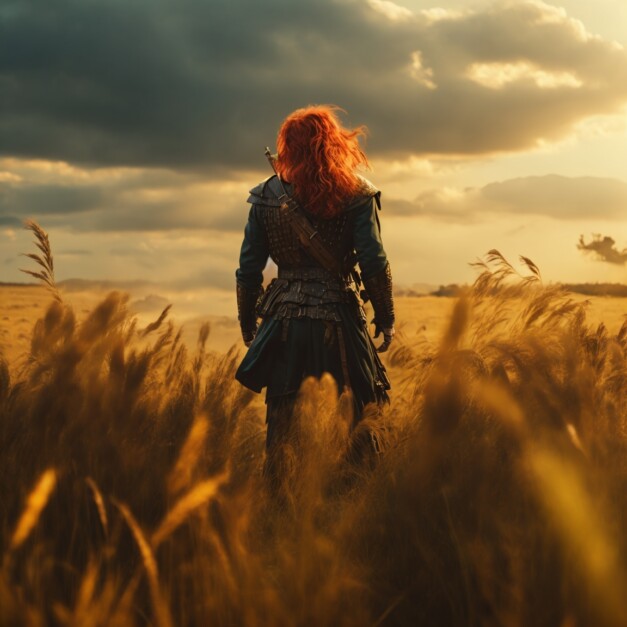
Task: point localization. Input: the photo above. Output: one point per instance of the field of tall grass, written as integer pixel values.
(131, 490)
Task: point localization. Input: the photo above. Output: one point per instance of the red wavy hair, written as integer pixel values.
(318, 156)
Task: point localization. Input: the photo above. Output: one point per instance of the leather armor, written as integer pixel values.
(336, 233)
(304, 288)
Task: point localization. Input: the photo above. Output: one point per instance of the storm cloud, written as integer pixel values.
(201, 85)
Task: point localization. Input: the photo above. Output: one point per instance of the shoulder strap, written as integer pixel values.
(307, 235)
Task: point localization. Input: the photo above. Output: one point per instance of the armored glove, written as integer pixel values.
(379, 289)
(246, 314)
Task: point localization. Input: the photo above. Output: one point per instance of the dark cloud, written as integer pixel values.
(136, 203)
(204, 84)
(9, 220)
(48, 199)
(554, 196)
(604, 249)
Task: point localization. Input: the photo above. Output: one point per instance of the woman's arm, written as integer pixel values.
(249, 276)
(375, 269)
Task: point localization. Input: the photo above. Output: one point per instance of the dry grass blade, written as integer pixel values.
(162, 613)
(198, 496)
(153, 326)
(100, 504)
(45, 262)
(35, 504)
(479, 264)
(181, 475)
(494, 256)
(203, 335)
(532, 266)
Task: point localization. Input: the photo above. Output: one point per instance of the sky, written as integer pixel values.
(132, 131)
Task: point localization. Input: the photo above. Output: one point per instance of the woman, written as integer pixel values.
(312, 319)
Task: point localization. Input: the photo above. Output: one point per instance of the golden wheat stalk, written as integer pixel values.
(45, 260)
(194, 499)
(35, 504)
(162, 614)
(191, 451)
(100, 504)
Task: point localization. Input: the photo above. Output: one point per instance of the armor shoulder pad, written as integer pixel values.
(264, 193)
(268, 192)
(367, 190)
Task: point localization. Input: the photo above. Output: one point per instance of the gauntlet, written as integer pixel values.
(246, 303)
(379, 289)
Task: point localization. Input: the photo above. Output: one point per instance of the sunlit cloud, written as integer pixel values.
(422, 74)
(437, 14)
(9, 177)
(498, 75)
(557, 197)
(391, 10)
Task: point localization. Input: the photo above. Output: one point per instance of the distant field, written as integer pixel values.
(421, 318)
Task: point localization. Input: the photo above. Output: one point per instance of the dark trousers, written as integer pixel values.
(364, 446)
(280, 436)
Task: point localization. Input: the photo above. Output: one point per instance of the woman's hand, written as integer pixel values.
(388, 336)
(248, 337)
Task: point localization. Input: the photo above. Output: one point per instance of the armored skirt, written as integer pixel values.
(287, 350)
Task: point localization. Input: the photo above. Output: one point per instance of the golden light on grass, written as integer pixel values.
(35, 504)
(100, 504)
(187, 462)
(162, 614)
(199, 495)
(583, 531)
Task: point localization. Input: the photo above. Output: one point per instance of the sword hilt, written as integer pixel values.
(270, 159)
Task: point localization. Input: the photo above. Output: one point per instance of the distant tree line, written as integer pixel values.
(618, 290)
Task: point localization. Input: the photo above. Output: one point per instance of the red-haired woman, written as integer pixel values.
(312, 319)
